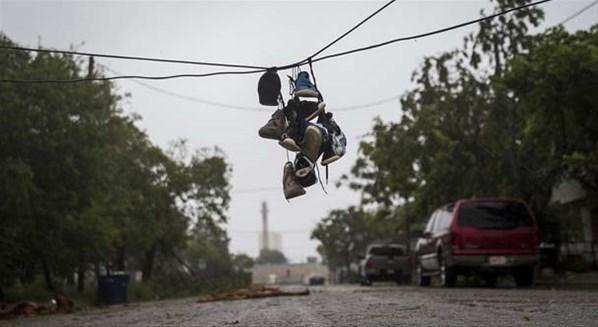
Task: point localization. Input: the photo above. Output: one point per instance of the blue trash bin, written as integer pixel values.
(112, 289)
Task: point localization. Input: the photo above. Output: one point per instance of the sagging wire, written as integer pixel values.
(259, 68)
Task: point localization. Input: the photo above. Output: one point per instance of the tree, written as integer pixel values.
(345, 234)
(268, 256)
(515, 130)
(456, 127)
(82, 186)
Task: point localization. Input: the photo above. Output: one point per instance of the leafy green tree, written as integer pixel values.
(456, 129)
(515, 130)
(345, 234)
(553, 86)
(82, 186)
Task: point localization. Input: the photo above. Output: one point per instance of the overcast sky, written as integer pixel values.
(263, 33)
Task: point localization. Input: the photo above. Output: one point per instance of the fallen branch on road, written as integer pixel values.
(58, 304)
(249, 293)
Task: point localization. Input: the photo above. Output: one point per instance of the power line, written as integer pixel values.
(77, 80)
(368, 105)
(257, 109)
(191, 98)
(422, 35)
(581, 11)
(339, 54)
(245, 108)
(258, 69)
(111, 56)
(352, 29)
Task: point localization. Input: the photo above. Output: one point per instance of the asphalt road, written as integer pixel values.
(380, 305)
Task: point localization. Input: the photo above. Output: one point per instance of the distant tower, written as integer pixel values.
(265, 236)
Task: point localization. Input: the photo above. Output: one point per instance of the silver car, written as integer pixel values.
(385, 262)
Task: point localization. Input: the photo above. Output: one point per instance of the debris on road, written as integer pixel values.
(249, 293)
(56, 305)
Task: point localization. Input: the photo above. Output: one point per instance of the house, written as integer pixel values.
(581, 207)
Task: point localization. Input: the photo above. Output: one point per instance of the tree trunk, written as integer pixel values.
(81, 275)
(120, 259)
(148, 262)
(47, 275)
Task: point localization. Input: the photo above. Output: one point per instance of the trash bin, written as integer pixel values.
(112, 289)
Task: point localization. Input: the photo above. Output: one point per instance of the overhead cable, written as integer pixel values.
(261, 69)
(352, 29)
(88, 79)
(256, 109)
(190, 98)
(422, 35)
(111, 56)
(581, 11)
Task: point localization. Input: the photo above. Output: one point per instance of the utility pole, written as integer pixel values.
(265, 234)
(91, 67)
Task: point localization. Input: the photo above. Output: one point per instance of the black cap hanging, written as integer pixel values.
(268, 88)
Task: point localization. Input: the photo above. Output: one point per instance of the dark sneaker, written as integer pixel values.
(304, 87)
(308, 110)
(292, 109)
(329, 157)
(292, 136)
(303, 110)
(312, 141)
(337, 142)
(289, 143)
(268, 88)
(290, 186)
(274, 127)
(308, 180)
(303, 166)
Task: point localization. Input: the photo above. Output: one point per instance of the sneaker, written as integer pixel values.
(291, 110)
(303, 166)
(292, 136)
(268, 88)
(312, 142)
(303, 110)
(337, 144)
(275, 127)
(290, 186)
(308, 110)
(308, 180)
(304, 87)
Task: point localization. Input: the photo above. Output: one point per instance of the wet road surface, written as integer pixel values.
(380, 305)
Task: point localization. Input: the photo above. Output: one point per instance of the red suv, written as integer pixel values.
(483, 236)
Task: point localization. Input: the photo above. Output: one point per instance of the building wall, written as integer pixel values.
(286, 273)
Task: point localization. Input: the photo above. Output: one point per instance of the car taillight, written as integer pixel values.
(369, 263)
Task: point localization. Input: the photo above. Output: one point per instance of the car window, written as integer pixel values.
(386, 251)
(494, 215)
(443, 221)
(430, 225)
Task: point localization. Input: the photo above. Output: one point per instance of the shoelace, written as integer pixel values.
(320, 179)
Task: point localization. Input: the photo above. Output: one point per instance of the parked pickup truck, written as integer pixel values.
(385, 262)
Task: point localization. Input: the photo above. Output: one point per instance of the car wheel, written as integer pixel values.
(524, 277)
(448, 278)
(421, 279)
